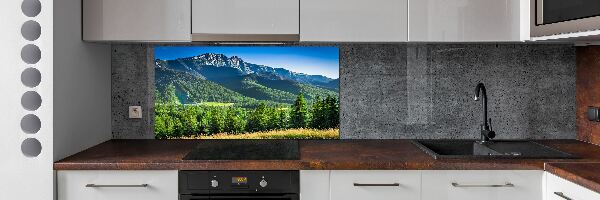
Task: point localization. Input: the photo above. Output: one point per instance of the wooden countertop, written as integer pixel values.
(584, 174)
(331, 155)
(314, 154)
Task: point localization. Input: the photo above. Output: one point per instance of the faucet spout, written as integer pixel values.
(481, 88)
(480, 94)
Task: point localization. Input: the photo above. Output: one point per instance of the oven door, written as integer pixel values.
(552, 17)
(240, 197)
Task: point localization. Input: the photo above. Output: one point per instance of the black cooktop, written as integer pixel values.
(245, 150)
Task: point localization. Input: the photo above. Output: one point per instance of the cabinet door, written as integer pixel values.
(468, 20)
(314, 185)
(353, 20)
(375, 185)
(117, 185)
(482, 184)
(243, 18)
(560, 189)
(136, 20)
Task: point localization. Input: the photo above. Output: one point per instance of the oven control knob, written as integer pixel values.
(263, 183)
(214, 183)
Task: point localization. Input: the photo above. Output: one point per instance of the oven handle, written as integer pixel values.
(249, 197)
(91, 185)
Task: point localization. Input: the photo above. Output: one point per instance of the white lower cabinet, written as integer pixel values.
(421, 185)
(314, 184)
(560, 189)
(341, 185)
(117, 185)
(375, 185)
(482, 185)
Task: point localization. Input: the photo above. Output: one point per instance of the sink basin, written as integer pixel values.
(496, 149)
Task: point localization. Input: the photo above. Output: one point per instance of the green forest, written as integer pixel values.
(174, 119)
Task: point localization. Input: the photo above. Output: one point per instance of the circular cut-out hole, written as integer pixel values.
(31, 54)
(31, 8)
(31, 124)
(31, 100)
(31, 147)
(31, 30)
(31, 77)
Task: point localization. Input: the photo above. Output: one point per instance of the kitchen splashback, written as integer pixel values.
(408, 90)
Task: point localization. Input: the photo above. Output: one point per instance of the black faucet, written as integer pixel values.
(486, 129)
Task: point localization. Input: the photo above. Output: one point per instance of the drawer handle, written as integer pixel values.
(376, 184)
(493, 185)
(115, 186)
(560, 194)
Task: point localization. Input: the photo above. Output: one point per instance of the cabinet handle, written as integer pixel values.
(376, 184)
(115, 186)
(560, 194)
(492, 185)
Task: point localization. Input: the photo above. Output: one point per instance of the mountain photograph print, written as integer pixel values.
(217, 92)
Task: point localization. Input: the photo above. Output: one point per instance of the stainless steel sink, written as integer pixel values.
(495, 149)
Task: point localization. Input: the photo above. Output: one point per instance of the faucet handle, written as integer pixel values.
(491, 134)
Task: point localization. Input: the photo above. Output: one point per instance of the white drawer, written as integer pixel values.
(348, 185)
(117, 185)
(567, 189)
(482, 185)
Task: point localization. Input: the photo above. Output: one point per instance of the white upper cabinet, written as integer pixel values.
(136, 20)
(307, 20)
(353, 20)
(245, 20)
(468, 20)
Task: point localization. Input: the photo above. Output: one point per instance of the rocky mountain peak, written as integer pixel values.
(193, 64)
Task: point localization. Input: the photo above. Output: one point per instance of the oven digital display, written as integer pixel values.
(239, 180)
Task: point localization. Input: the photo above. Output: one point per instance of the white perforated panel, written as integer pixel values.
(26, 142)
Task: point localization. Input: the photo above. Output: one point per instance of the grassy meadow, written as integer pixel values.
(274, 134)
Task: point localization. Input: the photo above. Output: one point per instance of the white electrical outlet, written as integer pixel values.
(135, 112)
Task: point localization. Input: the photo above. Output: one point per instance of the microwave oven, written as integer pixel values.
(555, 17)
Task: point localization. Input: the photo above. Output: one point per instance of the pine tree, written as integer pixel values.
(317, 116)
(160, 127)
(282, 119)
(272, 119)
(299, 112)
(170, 95)
(216, 122)
(203, 121)
(158, 98)
(187, 117)
(332, 113)
(240, 122)
(234, 123)
(258, 119)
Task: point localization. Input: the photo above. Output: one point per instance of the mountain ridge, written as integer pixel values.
(218, 78)
(235, 62)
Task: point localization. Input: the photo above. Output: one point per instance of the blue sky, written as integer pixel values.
(309, 60)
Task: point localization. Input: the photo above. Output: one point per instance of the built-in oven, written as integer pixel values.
(237, 185)
(552, 17)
